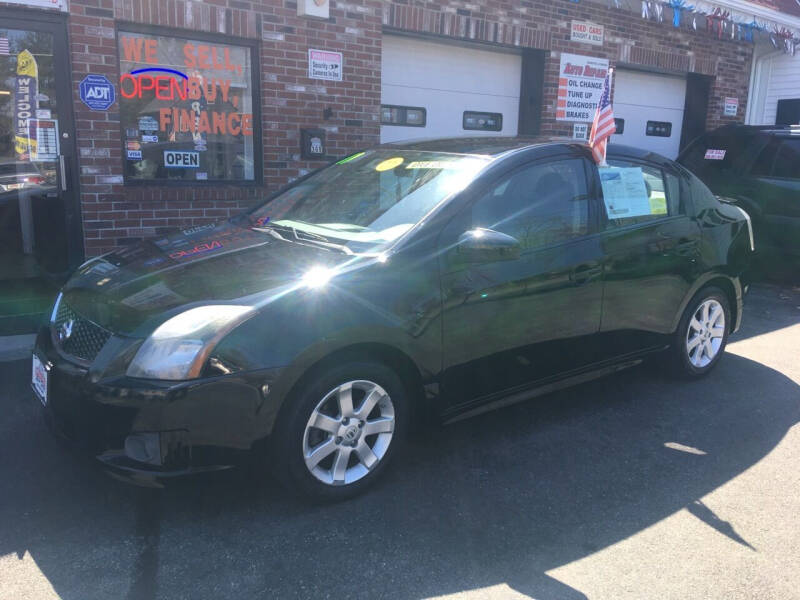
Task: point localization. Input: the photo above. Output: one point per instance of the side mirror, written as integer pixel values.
(487, 245)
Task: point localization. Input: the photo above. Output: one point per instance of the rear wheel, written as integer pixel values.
(341, 430)
(702, 333)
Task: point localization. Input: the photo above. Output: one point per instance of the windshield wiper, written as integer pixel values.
(305, 236)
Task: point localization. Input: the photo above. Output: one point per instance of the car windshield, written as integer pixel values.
(369, 199)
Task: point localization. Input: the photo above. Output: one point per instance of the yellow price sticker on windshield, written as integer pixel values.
(389, 163)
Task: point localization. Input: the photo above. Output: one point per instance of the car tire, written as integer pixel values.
(326, 451)
(702, 334)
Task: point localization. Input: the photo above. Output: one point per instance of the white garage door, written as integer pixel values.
(447, 81)
(651, 106)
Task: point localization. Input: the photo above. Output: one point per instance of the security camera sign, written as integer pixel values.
(323, 64)
(97, 92)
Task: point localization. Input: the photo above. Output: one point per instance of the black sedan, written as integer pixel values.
(455, 275)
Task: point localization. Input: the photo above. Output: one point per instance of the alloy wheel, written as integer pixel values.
(349, 432)
(705, 333)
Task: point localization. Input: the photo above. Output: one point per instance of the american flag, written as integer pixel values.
(4, 49)
(603, 125)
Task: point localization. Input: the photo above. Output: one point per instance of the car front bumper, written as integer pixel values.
(145, 431)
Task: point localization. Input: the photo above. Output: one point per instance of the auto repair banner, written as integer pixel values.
(580, 85)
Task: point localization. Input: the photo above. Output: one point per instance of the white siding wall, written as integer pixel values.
(782, 81)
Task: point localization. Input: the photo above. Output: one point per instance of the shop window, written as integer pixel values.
(482, 121)
(404, 116)
(188, 109)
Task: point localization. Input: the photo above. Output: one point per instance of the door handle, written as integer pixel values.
(62, 173)
(583, 273)
(685, 246)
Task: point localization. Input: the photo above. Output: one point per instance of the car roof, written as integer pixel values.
(485, 145)
(496, 145)
(768, 130)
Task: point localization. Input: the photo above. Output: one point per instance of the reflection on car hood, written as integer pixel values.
(224, 262)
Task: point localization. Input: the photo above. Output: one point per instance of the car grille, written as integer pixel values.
(85, 339)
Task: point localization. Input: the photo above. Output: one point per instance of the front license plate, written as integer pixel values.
(39, 379)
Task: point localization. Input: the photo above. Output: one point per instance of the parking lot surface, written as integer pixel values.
(632, 486)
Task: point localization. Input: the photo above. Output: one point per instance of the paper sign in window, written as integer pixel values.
(624, 192)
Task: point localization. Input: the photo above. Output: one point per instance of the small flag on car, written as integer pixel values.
(4, 48)
(603, 125)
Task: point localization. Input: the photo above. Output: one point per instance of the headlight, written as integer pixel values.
(180, 346)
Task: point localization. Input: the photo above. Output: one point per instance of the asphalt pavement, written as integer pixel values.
(632, 486)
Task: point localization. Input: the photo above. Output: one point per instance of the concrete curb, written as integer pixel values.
(16, 347)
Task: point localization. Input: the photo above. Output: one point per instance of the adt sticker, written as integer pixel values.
(97, 92)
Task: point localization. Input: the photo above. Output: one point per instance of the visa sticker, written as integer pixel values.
(714, 154)
(134, 155)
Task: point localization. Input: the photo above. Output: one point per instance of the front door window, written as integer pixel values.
(33, 236)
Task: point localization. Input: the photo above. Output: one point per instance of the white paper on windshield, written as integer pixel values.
(624, 192)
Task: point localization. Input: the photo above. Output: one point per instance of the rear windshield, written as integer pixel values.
(716, 155)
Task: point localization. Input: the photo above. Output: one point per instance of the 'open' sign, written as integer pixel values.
(181, 158)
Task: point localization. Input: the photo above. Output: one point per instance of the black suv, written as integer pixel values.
(759, 168)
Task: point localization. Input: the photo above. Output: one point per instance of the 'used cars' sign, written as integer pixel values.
(181, 158)
(588, 33)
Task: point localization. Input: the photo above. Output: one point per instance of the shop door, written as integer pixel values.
(39, 224)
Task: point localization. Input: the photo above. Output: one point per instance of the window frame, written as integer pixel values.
(607, 226)
(406, 108)
(253, 46)
(481, 112)
(592, 224)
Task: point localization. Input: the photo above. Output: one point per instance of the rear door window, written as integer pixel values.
(787, 161)
(763, 165)
(716, 155)
(638, 193)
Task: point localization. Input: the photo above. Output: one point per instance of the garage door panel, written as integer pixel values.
(642, 97)
(445, 111)
(417, 63)
(447, 80)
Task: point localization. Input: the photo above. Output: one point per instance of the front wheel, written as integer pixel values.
(341, 430)
(702, 333)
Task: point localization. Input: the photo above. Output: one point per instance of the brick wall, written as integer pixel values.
(114, 214)
(628, 39)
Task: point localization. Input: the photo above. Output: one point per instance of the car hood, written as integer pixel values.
(141, 284)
